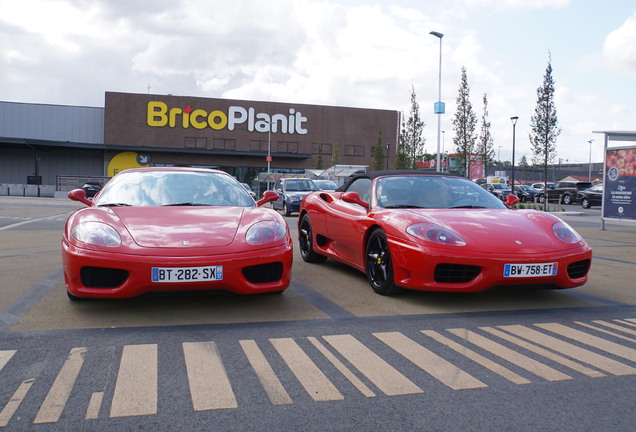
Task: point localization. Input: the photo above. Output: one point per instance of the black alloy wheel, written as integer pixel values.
(585, 203)
(305, 242)
(379, 265)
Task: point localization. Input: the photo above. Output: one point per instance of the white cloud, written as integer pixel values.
(620, 48)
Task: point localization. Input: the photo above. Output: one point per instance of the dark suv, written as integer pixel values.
(565, 191)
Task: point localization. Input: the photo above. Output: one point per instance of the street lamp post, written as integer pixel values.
(499, 155)
(514, 125)
(589, 172)
(443, 148)
(439, 105)
(387, 156)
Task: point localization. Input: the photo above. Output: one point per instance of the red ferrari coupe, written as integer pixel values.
(420, 231)
(174, 229)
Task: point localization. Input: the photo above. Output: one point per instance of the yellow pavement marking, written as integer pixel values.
(94, 405)
(545, 353)
(512, 356)
(15, 401)
(210, 386)
(436, 366)
(601, 362)
(616, 327)
(588, 339)
(342, 368)
(602, 330)
(379, 372)
(478, 358)
(136, 386)
(273, 387)
(308, 374)
(53, 405)
(5, 356)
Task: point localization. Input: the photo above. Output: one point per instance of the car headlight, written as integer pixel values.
(294, 199)
(97, 234)
(435, 234)
(265, 232)
(565, 233)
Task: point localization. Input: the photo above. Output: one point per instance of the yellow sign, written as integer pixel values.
(122, 161)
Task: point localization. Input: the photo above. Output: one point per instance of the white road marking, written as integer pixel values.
(5, 356)
(275, 391)
(15, 401)
(94, 405)
(136, 386)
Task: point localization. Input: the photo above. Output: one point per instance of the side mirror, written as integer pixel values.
(268, 197)
(354, 198)
(511, 200)
(80, 195)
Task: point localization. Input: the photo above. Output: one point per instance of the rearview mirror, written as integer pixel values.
(80, 195)
(268, 197)
(354, 198)
(511, 200)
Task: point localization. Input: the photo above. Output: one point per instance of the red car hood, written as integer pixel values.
(503, 231)
(181, 226)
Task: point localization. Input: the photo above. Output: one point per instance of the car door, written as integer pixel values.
(345, 225)
(278, 188)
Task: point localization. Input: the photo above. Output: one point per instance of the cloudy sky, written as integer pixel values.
(358, 53)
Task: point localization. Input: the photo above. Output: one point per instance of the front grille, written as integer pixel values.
(264, 273)
(455, 273)
(100, 277)
(579, 269)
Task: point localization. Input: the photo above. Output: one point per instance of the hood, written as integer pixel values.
(181, 226)
(503, 231)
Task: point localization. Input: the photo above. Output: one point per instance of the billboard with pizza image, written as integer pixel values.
(620, 183)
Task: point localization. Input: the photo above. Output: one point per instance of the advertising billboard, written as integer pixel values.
(620, 183)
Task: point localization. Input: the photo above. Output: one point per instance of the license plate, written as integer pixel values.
(531, 270)
(187, 274)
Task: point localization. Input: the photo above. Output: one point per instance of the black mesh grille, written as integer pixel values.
(455, 273)
(100, 277)
(579, 269)
(264, 273)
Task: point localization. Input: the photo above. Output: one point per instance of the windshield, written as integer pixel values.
(165, 188)
(422, 191)
(300, 185)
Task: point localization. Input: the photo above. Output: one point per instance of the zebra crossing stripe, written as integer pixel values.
(210, 386)
(53, 405)
(478, 358)
(617, 327)
(15, 401)
(378, 371)
(94, 405)
(604, 330)
(600, 362)
(275, 391)
(136, 386)
(308, 374)
(430, 362)
(5, 356)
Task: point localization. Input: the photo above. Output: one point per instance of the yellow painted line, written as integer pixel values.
(436, 366)
(518, 359)
(545, 353)
(616, 327)
(5, 356)
(310, 377)
(53, 405)
(588, 339)
(210, 386)
(357, 382)
(598, 361)
(273, 387)
(14, 403)
(379, 372)
(136, 386)
(478, 358)
(604, 330)
(94, 405)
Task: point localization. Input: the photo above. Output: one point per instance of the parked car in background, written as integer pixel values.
(539, 186)
(526, 193)
(290, 192)
(500, 190)
(326, 185)
(249, 190)
(591, 196)
(564, 191)
(91, 188)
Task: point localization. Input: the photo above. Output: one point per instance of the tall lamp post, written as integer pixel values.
(514, 125)
(589, 172)
(439, 105)
(443, 149)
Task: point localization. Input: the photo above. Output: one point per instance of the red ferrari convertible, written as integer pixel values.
(174, 229)
(420, 231)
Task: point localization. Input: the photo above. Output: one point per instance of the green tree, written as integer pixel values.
(544, 125)
(335, 155)
(464, 124)
(411, 143)
(485, 146)
(523, 163)
(378, 154)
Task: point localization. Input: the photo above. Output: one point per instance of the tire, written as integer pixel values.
(567, 199)
(286, 210)
(542, 199)
(306, 242)
(585, 203)
(72, 297)
(379, 266)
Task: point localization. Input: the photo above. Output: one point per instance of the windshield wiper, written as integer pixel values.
(185, 204)
(468, 206)
(115, 205)
(398, 206)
